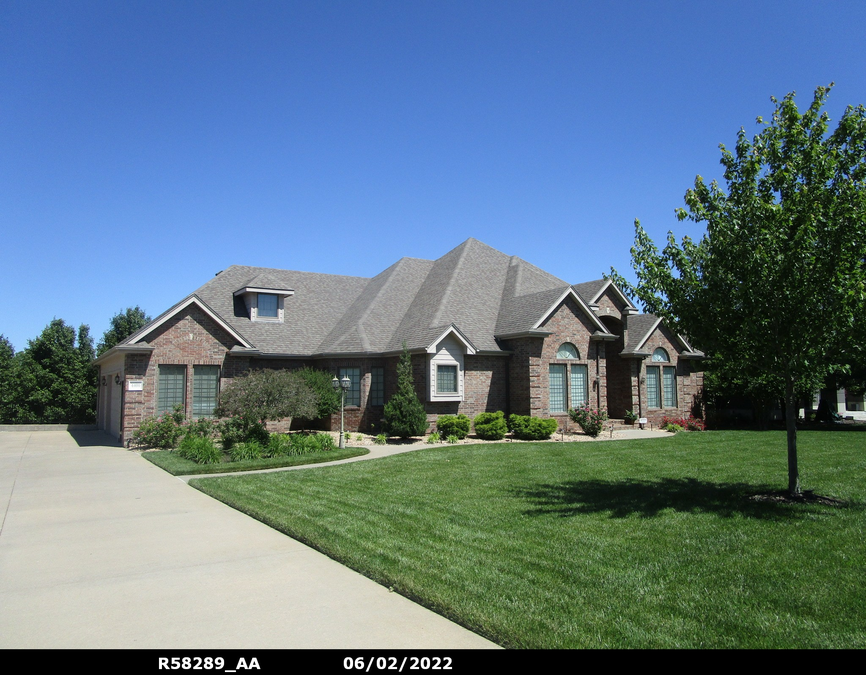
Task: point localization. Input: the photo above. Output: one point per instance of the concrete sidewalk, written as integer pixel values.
(101, 549)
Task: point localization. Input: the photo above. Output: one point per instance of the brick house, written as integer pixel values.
(487, 331)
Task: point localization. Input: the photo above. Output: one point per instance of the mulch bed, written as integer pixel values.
(806, 497)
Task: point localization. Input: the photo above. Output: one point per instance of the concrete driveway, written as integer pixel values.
(101, 549)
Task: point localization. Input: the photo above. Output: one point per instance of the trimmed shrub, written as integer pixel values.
(590, 420)
(491, 426)
(199, 450)
(528, 428)
(453, 425)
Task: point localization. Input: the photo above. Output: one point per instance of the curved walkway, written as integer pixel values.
(99, 548)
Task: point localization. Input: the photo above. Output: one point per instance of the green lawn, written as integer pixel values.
(170, 461)
(639, 544)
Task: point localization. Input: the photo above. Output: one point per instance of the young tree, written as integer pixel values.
(122, 325)
(404, 413)
(778, 282)
(264, 395)
(54, 381)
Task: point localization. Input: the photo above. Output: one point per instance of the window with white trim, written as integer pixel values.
(446, 379)
(445, 370)
(660, 356)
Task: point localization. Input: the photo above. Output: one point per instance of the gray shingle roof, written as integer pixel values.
(481, 291)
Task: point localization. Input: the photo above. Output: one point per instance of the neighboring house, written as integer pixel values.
(487, 332)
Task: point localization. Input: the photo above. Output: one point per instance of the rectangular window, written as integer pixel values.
(205, 390)
(172, 388)
(446, 379)
(653, 390)
(670, 387)
(579, 388)
(377, 386)
(557, 388)
(353, 394)
(267, 306)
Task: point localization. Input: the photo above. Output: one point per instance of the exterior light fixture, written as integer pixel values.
(342, 386)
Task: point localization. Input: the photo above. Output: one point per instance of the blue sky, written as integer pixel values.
(146, 146)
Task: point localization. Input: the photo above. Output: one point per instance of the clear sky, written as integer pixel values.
(145, 146)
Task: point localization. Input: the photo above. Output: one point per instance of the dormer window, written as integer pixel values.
(268, 306)
(265, 303)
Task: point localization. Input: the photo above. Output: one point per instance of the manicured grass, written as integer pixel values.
(629, 544)
(178, 466)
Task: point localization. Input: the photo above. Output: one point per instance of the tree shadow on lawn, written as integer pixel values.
(647, 499)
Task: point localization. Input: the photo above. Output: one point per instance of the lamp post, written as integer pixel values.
(343, 386)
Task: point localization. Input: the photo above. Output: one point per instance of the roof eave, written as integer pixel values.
(533, 333)
(140, 348)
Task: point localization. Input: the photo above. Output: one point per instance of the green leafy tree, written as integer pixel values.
(122, 325)
(54, 381)
(7, 379)
(327, 398)
(404, 413)
(777, 284)
(263, 395)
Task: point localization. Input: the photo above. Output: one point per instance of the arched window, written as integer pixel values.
(660, 355)
(567, 351)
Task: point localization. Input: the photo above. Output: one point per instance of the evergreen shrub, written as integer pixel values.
(451, 425)
(491, 426)
(528, 428)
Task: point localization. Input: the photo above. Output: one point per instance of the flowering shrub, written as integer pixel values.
(590, 420)
(161, 432)
(691, 423)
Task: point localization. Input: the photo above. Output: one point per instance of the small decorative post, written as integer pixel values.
(342, 385)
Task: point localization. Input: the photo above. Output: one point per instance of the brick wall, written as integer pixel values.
(689, 380)
(569, 323)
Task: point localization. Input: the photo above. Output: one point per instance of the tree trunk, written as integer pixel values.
(791, 423)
